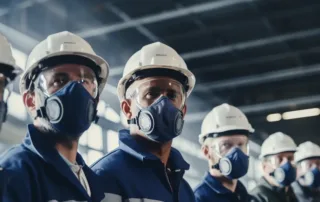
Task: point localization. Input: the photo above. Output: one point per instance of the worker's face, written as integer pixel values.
(306, 165)
(275, 161)
(54, 79)
(143, 93)
(220, 146)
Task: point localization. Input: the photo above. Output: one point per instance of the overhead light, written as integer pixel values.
(301, 113)
(274, 117)
(112, 140)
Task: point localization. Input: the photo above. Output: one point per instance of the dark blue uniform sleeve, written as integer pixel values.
(14, 187)
(111, 186)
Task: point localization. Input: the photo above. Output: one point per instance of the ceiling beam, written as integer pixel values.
(20, 6)
(254, 61)
(262, 107)
(238, 46)
(167, 15)
(259, 78)
(126, 18)
(20, 40)
(251, 44)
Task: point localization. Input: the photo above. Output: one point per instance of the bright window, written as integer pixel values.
(93, 156)
(84, 139)
(95, 139)
(112, 115)
(16, 107)
(112, 140)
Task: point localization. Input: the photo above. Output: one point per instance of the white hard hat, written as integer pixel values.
(59, 44)
(6, 58)
(277, 143)
(224, 118)
(155, 55)
(307, 150)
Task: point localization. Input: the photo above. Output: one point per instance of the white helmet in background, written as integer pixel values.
(224, 118)
(307, 150)
(59, 44)
(155, 56)
(8, 63)
(277, 143)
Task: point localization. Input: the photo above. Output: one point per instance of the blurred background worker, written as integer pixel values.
(224, 140)
(277, 156)
(307, 185)
(153, 92)
(61, 86)
(8, 72)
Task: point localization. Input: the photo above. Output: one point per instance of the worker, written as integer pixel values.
(224, 142)
(8, 72)
(60, 87)
(277, 156)
(307, 185)
(153, 92)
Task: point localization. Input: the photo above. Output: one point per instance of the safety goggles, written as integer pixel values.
(310, 164)
(53, 79)
(148, 91)
(222, 147)
(278, 160)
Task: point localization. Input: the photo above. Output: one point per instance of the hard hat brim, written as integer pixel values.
(122, 83)
(261, 156)
(202, 136)
(297, 160)
(104, 68)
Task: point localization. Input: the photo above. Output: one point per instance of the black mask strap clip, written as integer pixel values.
(41, 112)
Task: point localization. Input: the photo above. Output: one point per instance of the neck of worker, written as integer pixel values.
(230, 184)
(68, 150)
(160, 150)
(65, 145)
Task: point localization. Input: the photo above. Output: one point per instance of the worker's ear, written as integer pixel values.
(126, 108)
(29, 101)
(184, 110)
